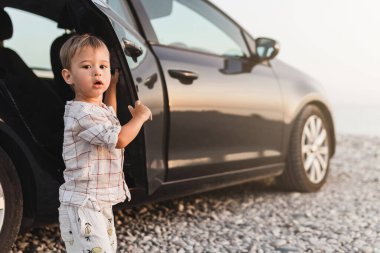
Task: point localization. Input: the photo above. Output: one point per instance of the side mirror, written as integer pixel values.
(266, 48)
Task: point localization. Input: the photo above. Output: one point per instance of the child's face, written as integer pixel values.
(89, 73)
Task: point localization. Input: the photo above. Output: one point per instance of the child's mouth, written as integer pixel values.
(98, 84)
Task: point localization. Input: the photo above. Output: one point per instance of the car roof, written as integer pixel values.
(47, 8)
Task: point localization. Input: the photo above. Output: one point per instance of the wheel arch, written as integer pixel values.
(300, 90)
(22, 159)
(326, 110)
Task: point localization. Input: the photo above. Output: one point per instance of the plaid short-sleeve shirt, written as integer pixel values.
(94, 167)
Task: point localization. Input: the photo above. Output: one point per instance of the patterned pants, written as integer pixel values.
(87, 230)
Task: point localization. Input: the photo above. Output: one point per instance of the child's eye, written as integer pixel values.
(86, 66)
(103, 66)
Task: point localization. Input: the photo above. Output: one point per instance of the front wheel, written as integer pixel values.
(309, 151)
(11, 202)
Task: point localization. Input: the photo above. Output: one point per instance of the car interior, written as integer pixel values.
(30, 93)
(40, 94)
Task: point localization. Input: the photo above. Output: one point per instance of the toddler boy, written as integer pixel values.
(93, 147)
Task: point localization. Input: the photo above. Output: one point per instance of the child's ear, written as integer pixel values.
(67, 76)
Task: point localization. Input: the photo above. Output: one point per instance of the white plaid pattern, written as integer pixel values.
(94, 167)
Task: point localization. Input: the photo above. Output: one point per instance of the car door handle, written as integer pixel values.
(131, 49)
(184, 76)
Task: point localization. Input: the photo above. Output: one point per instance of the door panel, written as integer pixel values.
(147, 81)
(230, 116)
(229, 121)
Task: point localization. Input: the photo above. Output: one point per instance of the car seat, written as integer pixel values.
(10, 62)
(62, 87)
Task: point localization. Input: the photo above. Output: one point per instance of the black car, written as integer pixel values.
(224, 110)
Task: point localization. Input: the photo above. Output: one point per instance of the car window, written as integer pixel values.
(122, 8)
(195, 25)
(32, 38)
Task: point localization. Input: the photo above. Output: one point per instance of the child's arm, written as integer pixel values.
(110, 97)
(129, 131)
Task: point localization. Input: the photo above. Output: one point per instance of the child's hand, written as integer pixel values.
(115, 77)
(140, 110)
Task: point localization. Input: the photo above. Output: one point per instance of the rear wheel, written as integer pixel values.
(309, 152)
(11, 202)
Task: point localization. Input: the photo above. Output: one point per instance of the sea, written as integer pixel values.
(359, 119)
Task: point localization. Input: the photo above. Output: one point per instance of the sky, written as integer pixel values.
(337, 42)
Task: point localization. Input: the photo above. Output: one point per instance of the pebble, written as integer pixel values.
(255, 217)
(279, 243)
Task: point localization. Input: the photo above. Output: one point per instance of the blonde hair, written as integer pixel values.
(75, 44)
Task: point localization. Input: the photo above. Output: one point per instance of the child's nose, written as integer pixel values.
(97, 72)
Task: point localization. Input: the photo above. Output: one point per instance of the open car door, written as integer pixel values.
(145, 156)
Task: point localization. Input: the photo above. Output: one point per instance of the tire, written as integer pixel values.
(11, 202)
(308, 157)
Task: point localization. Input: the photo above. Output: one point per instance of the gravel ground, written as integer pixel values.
(342, 217)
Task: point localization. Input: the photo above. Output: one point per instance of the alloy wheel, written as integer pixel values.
(315, 149)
